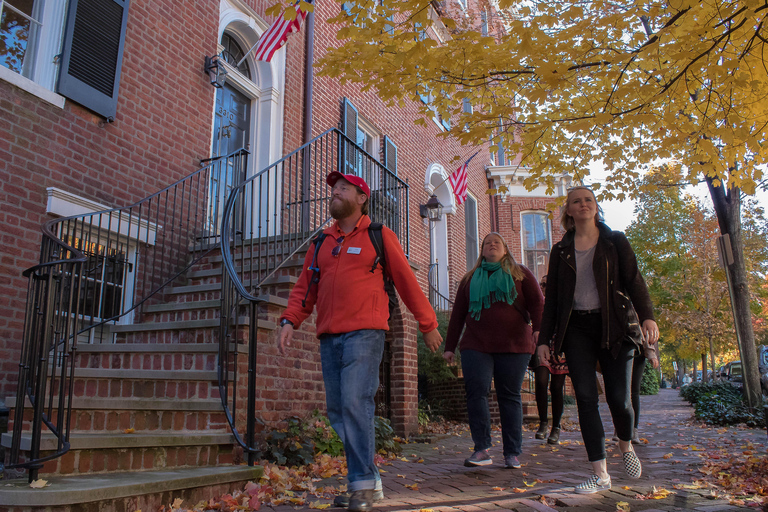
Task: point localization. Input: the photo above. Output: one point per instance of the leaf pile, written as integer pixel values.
(742, 476)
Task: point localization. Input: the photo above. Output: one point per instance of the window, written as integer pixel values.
(30, 40)
(470, 225)
(484, 23)
(537, 241)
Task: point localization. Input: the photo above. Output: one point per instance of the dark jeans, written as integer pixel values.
(638, 368)
(582, 353)
(508, 371)
(555, 389)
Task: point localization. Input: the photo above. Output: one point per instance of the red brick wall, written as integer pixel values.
(161, 131)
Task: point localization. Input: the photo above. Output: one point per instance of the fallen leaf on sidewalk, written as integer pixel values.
(129, 431)
(626, 487)
(518, 490)
(39, 484)
(498, 488)
(527, 484)
(668, 456)
(414, 487)
(655, 494)
(319, 506)
(623, 506)
(400, 476)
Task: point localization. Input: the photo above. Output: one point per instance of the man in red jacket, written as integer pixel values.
(352, 316)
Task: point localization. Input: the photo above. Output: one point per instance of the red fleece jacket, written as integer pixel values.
(349, 297)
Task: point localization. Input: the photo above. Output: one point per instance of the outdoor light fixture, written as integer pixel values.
(433, 210)
(216, 71)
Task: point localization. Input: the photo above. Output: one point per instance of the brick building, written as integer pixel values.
(103, 103)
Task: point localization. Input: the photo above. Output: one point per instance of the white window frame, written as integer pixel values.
(523, 246)
(40, 74)
(476, 249)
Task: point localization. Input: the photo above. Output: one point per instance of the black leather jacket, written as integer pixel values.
(618, 282)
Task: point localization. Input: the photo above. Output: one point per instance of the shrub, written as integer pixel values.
(289, 447)
(385, 437)
(318, 429)
(431, 364)
(650, 383)
(721, 404)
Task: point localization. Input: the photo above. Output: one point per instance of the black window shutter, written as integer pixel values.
(349, 127)
(94, 39)
(390, 155)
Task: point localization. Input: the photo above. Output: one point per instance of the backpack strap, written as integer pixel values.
(317, 241)
(377, 239)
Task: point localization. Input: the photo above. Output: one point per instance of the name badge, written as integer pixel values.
(353, 250)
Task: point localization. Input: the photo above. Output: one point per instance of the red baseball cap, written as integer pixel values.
(355, 180)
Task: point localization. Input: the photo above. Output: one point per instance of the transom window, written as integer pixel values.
(537, 241)
(233, 53)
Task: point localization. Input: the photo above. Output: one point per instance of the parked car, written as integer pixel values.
(735, 373)
(762, 365)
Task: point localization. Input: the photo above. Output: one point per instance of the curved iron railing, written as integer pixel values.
(97, 269)
(439, 301)
(267, 220)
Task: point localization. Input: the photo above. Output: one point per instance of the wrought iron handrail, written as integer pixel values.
(96, 269)
(439, 301)
(267, 220)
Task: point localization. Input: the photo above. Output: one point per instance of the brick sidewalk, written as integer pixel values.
(444, 484)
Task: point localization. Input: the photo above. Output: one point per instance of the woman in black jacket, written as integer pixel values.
(592, 284)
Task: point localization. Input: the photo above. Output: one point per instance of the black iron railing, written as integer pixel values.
(439, 301)
(97, 270)
(267, 220)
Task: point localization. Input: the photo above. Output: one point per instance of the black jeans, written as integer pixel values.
(508, 371)
(638, 368)
(582, 353)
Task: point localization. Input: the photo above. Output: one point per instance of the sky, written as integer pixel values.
(620, 214)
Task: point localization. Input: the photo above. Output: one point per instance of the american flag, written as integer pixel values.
(276, 35)
(458, 180)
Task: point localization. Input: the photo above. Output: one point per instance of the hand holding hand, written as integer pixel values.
(432, 339)
(449, 358)
(542, 352)
(651, 331)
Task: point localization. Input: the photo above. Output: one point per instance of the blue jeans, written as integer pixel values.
(508, 371)
(582, 353)
(351, 374)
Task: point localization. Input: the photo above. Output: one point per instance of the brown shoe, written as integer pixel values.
(554, 436)
(361, 501)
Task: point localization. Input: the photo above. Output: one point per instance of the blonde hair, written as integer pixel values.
(566, 220)
(508, 263)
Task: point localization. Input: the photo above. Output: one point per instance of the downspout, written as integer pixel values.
(309, 61)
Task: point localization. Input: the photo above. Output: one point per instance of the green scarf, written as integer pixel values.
(490, 284)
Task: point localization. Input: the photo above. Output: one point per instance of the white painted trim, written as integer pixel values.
(436, 182)
(66, 204)
(31, 87)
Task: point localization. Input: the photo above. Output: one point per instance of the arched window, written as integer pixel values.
(233, 53)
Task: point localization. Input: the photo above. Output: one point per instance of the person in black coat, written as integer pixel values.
(593, 284)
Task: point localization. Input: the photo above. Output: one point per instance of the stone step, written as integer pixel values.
(82, 403)
(207, 304)
(146, 490)
(216, 287)
(114, 441)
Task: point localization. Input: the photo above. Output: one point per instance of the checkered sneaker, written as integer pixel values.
(632, 464)
(592, 485)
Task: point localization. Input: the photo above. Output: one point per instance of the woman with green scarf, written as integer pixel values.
(498, 307)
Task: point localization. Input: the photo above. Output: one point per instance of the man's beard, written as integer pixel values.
(341, 209)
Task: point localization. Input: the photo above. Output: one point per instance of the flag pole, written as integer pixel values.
(449, 176)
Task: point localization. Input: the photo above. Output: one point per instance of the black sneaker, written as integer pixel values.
(361, 501)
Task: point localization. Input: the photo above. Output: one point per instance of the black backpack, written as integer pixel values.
(374, 232)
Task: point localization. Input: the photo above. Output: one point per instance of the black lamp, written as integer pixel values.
(433, 210)
(216, 71)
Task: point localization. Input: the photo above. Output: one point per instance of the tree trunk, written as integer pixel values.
(704, 377)
(728, 210)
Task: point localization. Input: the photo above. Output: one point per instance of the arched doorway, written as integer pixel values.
(436, 183)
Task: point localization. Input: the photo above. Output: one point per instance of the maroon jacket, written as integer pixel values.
(502, 327)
